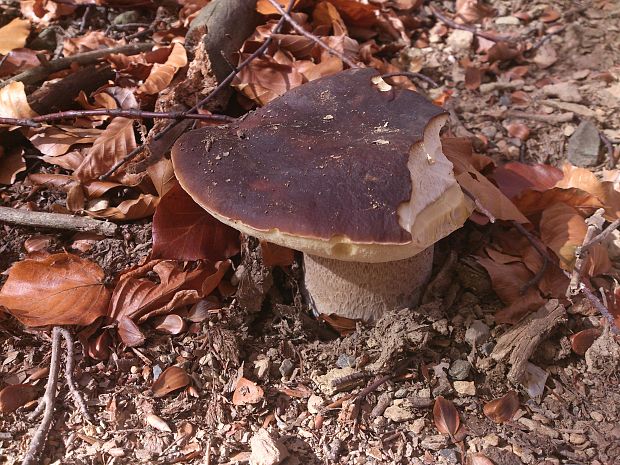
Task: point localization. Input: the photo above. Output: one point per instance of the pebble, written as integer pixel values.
(127, 17)
(568, 130)
(314, 404)
(477, 333)
(491, 440)
(507, 21)
(400, 393)
(465, 388)
(435, 442)
(597, 416)
(460, 40)
(449, 455)
(261, 367)
(459, 369)
(345, 361)
(399, 411)
(584, 144)
(417, 426)
(266, 450)
(286, 367)
(489, 131)
(487, 348)
(577, 439)
(565, 91)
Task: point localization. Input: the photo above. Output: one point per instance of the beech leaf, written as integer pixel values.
(171, 379)
(581, 341)
(183, 230)
(247, 392)
(503, 409)
(14, 35)
(445, 416)
(60, 289)
(13, 102)
(161, 74)
(15, 396)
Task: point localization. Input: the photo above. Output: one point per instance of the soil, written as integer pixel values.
(312, 378)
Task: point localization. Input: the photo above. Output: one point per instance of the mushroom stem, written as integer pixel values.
(365, 290)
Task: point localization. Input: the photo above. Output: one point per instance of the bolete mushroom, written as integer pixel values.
(345, 169)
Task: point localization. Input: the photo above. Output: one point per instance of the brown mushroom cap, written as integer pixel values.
(337, 167)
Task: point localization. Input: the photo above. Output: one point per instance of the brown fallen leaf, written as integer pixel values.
(581, 341)
(14, 35)
(162, 176)
(514, 178)
(116, 141)
(13, 102)
(158, 423)
(59, 289)
(92, 40)
(170, 324)
(44, 11)
(11, 164)
(264, 79)
(472, 11)
(445, 416)
(344, 326)
(161, 74)
(503, 409)
(247, 392)
(19, 59)
(99, 347)
(519, 130)
(15, 396)
(183, 230)
(481, 459)
(134, 209)
(170, 380)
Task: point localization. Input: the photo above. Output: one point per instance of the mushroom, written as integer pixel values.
(345, 169)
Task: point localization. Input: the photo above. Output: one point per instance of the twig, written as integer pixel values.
(474, 30)
(600, 307)
(222, 85)
(311, 36)
(36, 121)
(55, 221)
(541, 251)
(479, 206)
(561, 118)
(37, 444)
(611, 162)
(595, 225)
(39, 73)
(46, 406)
(601, 237)
(85, 17)
(412, 76)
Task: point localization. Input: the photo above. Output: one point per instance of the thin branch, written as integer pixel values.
(311, 36)
(221, 86)
(413, 76)
(77, 397)
(39, 73)
(601, 237)
(561, 118)
(36, 121)
(474, 30)
(595, 225)
(46, 406)
(611, 159)
(481, 208)
(600, 307)
(533, 240)
(56, 221)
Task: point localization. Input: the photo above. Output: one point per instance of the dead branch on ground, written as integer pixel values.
(55, 221)
(464, 27)
(39, 73)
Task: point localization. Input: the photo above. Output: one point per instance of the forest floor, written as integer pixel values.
(280, 370)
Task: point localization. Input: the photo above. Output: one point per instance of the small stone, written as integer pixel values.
(565, 91)
(286, 368)
(583, 145)
(507, 21)
(577, 439)
(489, 131)
(449, 455)
(261, 367)
(417, 426)
(490, 440)
(465, 388)
(569, 130)
(460, 40)
(477, 333)
(345, 361)
(436, 442)
(597, 416)
(127, 17)
(443, 388)
(314, 404)
(324, 382)
(487, 348)
(266, 450)
(400, 393)
(581, 74)
(399, 411)
(459, 370)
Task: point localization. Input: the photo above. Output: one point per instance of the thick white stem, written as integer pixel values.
(365, 290)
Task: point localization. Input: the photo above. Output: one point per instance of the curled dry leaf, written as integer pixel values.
(54, 141)
(183, 230)
(503, 409)
(445, 416)
(60, 289)
(344, 326)
(11, 164)
(158, 423)
(92, 40)
(44, 11)
(38, 243)
(171, 379)
(116, 141)
(13, 102)
(518, 130)
(14, 35)
(170, 324)
(99, 347)
(201, 310)
(581, 341)
(142, 207)
(247, 392)
(161, 74)
(15, 396)
(514, 178)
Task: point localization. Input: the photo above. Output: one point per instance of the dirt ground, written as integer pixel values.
(569, 409)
